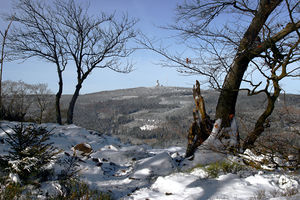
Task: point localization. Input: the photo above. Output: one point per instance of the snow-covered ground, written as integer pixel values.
(196, 185)
(140, 172)
(148, 127)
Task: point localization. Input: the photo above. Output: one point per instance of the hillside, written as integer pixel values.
(161, 116)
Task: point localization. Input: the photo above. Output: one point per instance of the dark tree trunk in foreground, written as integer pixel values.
(225, 110)
(229, 93)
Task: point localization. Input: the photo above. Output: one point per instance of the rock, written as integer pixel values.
(84, 148)
(109, 147)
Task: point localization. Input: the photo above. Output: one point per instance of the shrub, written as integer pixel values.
(10, 114)
(77, 190)
(30, 152)
(220, 167)
(22, 101)
(215, 169)
(80, 190)
(15, 100)
(70, 168)
(11, 191)
(259, 195)
(72, 187)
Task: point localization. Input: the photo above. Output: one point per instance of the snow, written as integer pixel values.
(14, 178)
(213, 143)
(286, 183)
(189, 186)
(139, 172)
(53, 188)
(148, 127)
(124, 97)
(160, 164)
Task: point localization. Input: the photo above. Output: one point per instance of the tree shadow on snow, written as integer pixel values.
(210, 187)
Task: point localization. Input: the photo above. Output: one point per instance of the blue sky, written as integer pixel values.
(151, 15)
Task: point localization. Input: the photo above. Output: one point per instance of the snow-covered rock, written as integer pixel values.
(51, 188)
(109, 147)
(202, 157)
(160, 164)
(287, 183)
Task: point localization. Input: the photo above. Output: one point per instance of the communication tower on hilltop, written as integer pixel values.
(157, 84)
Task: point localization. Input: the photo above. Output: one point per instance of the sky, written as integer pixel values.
(152, 14)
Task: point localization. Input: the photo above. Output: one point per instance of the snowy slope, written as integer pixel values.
(140, 172)
(229, 186)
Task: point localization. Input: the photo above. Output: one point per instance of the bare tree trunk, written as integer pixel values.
(72, 104)
(58, 97)
(201, 127)
(2, 60)
(260, 123)
(41, 116)
(228, 97)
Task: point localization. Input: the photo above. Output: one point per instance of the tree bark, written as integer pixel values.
(229, 93)
(41, 116)
(72, 103)
(80, 79)
(58, 96)
(260, 123)
(202, 125)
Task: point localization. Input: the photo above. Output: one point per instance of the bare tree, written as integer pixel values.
(42, 98)
(274, 65)
(65, 32)
(263, 34)
(94, 43)
(36, 35)
(3, 37)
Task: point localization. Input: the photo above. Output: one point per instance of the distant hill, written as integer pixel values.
(161, 116)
